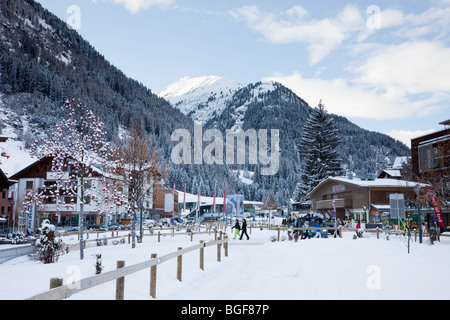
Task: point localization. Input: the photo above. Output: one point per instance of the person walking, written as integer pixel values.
(339, 226)
(318, 233)
(244, 230)
(306, 234)
(236, 229)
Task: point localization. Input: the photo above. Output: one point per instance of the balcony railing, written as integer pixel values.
(338, 203)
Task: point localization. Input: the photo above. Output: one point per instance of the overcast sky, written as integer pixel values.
(383, 64)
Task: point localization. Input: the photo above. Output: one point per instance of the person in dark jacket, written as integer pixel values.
(244, 230)
(236, 227)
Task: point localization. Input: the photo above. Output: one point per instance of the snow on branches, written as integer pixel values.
(318, 151)
(80, 151)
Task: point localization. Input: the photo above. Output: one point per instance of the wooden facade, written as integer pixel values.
(431, 153)
(6, 206)
(355, 198)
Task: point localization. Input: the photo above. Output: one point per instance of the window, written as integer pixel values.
(434, 154)
(29, 185)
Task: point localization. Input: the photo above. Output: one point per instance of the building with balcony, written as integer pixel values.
(360, 199)
(62, 210)
(431, 153)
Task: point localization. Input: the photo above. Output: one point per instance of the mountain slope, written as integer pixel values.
(43, 63)
(270, 105)
(200, 98)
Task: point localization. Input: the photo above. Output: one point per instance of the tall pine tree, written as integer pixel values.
(318, 152)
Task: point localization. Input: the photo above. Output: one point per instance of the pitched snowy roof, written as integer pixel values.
(377, 183)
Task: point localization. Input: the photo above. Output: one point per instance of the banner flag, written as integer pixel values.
(436, 206)
(198, 200)
(214, 201)
(225, 200)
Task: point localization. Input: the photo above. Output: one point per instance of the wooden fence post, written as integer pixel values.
(153, 270)
(159, 236)
(218, 250)
(179, 266)
(225, 246)
(55, 283)
(202, 255)
(278, 239)
(120, 283)
(192, 236)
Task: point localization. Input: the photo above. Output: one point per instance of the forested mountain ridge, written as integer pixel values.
(43, 63)
(270, 105)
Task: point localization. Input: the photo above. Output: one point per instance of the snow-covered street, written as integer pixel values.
(256, 269)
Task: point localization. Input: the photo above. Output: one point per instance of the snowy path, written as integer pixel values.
(257, 269)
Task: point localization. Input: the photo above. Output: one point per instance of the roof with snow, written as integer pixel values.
(376, 183)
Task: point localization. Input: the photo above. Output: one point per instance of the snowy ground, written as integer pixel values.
(256, 269)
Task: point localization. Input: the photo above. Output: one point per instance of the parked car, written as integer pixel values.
(149, 222)
(116, 226)
(98, 227)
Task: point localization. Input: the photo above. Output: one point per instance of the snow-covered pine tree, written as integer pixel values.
(318, 151)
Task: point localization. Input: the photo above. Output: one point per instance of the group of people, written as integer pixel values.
(243, 228)
(305, 223)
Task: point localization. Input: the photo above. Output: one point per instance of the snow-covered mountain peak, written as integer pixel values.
(188, 87)
(201, 97)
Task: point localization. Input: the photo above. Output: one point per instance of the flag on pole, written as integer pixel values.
(198, 200)
(214, 201)
(173, 195)
(184, 199)
(225, 200)
(436, 206)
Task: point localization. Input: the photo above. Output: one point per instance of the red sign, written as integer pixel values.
(436, 206)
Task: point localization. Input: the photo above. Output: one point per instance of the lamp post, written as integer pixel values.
(417, 191)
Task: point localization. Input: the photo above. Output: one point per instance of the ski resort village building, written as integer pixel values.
(361, 198)
(6, 203)
(62, 210)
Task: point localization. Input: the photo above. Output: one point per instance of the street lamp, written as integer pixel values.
(417, 191)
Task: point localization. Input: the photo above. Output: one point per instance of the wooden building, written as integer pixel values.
(62, 210)
(6, 202)
(165, 202)
(354, 198)
(431, 153)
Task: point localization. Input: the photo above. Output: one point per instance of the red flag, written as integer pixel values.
(214, 201)
(436, 206)
(198, 200)
(173, 210)
(225, 200)
(184, 200)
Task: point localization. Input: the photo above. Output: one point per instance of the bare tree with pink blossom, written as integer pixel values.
(80, 151)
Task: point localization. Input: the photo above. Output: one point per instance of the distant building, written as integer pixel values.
(394, 172)
(165, 202)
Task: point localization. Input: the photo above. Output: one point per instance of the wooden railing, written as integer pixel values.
(60, 292)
